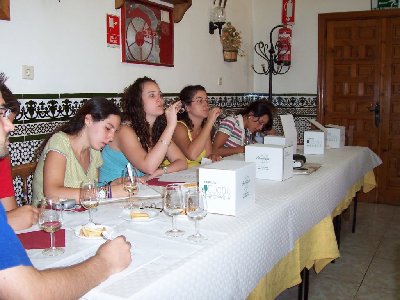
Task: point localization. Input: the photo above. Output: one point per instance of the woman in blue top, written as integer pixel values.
(144, 138)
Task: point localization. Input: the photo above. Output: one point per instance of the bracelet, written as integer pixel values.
(164, 142)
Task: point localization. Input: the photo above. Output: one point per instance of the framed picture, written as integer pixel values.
(384, 4)
(147, 31)
(4, 9)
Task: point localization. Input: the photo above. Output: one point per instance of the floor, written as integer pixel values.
(369, 266)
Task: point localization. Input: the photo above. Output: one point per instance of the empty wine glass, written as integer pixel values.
(196, 208)
(173, 205)
(88, 197)
(130, 184)
(50, 220)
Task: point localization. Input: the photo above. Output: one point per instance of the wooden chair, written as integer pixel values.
(24, 171)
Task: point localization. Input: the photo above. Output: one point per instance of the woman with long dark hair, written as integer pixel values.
(71, 154)
(144, 139)
(231, 134)
(193, 131)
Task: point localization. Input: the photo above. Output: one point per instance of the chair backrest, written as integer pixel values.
(24, 171)
(350, 135)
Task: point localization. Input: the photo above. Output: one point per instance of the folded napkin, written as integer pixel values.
(156, 181)
(78, 208)
(41, 239)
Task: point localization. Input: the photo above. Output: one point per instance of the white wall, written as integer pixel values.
(66, 43)
(302, 77)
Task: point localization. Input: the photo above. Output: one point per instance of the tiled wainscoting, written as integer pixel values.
(40, 114)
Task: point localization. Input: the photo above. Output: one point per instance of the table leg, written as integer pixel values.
(353, 228)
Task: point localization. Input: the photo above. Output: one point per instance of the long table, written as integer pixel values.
(240, 250)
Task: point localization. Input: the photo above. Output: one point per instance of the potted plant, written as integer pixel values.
(231, 42)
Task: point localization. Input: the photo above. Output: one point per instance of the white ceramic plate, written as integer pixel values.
(77, 231)
(126, 215)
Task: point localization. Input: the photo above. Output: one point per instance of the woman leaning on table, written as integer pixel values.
(72, 155)
(144, 139)
(193, 131)
(231, 134)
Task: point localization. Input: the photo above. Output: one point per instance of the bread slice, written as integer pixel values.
(91, 232)
(139, 215)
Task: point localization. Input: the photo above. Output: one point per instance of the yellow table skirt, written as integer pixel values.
(317, 247)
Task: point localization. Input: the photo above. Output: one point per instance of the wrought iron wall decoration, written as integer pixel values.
(272, 53)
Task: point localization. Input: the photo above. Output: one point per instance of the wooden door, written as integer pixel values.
(389, 150)
(358, 82)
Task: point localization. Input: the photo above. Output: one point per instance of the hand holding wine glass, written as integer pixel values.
(50, 220)
(173, 206)
(88, 197)
(196, 207)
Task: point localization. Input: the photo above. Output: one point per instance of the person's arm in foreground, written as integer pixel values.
(67, 283)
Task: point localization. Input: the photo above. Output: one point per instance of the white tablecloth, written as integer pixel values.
(239, 251)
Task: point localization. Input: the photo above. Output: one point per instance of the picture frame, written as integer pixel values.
(5, 10)
(385, 4)
(147, 31)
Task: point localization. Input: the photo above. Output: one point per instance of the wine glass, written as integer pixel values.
(169, 103)
(130, 184)
(50, 220)
(196, 208)
(88, 197)
(248, 138)
(173, 206)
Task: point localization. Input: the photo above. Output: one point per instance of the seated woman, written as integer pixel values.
(193, 131)
(144, 139)
(72, 154)
(231, 134)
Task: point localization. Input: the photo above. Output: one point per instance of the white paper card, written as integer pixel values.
(289, 128)
(317, 124)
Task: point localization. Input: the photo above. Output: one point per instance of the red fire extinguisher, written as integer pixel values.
(284, 46)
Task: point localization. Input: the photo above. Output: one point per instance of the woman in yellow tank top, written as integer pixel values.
(193, 131)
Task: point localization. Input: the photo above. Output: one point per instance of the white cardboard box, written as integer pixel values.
(277, 140)
(273, 162)
(228, 185)
(314, 142)
(335, 136)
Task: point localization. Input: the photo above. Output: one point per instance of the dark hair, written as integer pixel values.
(134, 114)
(98, 107)
(10, 100)
(186, 96)
(260, 108)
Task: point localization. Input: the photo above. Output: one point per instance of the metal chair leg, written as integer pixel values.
(304, 285)
(337, 225)
(301, 285)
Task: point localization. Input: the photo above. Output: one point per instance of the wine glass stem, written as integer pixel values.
(52, 240)
(90, 215)
(197, 227)
(173, 223)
